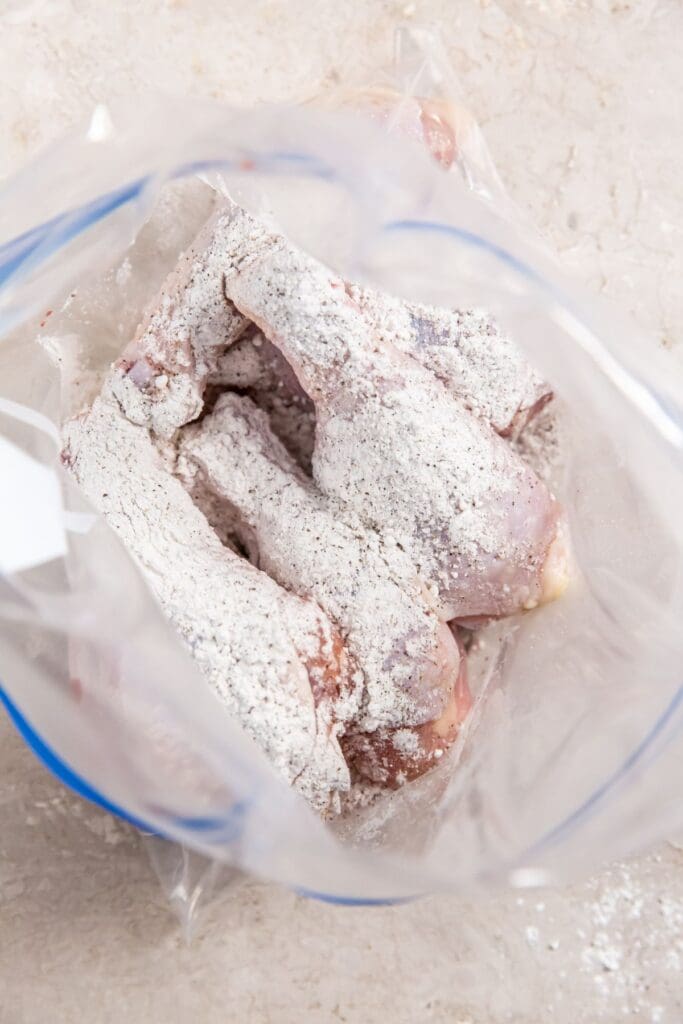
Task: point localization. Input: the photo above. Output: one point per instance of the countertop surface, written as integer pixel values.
(580, 103)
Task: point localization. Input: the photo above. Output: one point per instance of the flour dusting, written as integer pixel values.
(263, 651)
(312, 545)
(466, 350)
(313, 490)
(477, 523)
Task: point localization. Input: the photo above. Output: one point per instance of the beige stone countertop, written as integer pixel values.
(581, 104)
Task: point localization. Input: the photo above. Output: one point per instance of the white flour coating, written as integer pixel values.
(254, 366)
(405, 741)
(391, 756)
(466, 350)
(223, 519)
(253, 362)
(263, 651)
(160, 378)
(391, 442)
(542, 444)
(409, 658)
(425, 512)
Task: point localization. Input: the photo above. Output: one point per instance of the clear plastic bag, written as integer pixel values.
(572, 751)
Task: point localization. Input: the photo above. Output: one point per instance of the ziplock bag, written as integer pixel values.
(572, 752)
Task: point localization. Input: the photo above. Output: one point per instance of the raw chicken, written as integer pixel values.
(477, 363)
(483, 532)
(418, 513)
(439, 125)
(273, 658)
(160, 378)
(310, 544)
(253, 366)
(391, 757)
